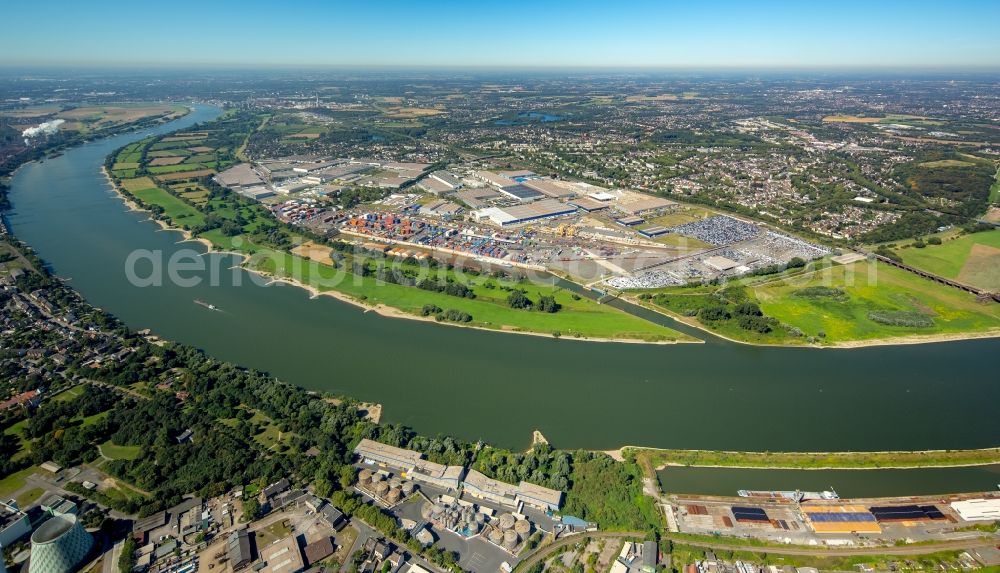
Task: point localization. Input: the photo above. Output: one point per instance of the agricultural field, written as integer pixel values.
(194, 193)
(914, 120)
(411, 112)
(972, 259)
(88, 119)
(856, 302)
(137, 184)
(827, 304)
(179, 212)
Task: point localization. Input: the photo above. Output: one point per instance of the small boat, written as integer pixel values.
(206, 305)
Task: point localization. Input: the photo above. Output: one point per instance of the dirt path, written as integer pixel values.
(544, 553)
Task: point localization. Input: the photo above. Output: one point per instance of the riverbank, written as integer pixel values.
(656, 459)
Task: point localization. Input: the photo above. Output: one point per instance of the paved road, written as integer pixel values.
(111, 558)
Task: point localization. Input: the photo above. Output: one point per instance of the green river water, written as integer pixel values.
(847, 483)
(498, 387)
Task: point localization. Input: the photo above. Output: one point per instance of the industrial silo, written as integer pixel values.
(522, 527)
(510, 539)
(507, 521)
(409, 487)
(59, 545)
(393, 495)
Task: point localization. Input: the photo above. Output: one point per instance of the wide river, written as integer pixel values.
(499, 387)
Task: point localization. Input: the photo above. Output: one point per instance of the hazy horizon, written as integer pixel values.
(723, 35)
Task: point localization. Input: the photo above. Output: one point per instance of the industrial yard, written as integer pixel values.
(517, 218)
(836, 522)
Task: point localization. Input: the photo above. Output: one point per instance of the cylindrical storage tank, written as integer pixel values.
(427, 511)
(393, 495)
(364, 477)
(480, 518)
(507, 521)
(409, 487)
(377, 477)
(395, 483)
(495, 535)
(381, 488)
(473, 528)
(522, 527)
(59, 545)
(510, 539)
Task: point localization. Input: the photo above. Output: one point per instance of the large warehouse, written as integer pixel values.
(410, 463)
(978, 509)
(519, 214)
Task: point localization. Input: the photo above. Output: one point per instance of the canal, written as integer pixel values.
(495, 386)
(847, 483)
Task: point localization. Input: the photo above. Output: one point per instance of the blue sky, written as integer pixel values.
(513, 33)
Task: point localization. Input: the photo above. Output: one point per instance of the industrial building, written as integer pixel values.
(552, 188)
(479, 486)
(522, 193)
(630, 221)
(520, 214)
(445, 178)
(653, 231)
(476, 198)
(650, 556)
(60, 545)
(319, 550)
(493, 178)
(640, 204)
(238, 549)
(56, 505)
(411, 464)
(282, 556)
(978, 509)
(589, 205)
(240, 175)
(721, 264)
(14, 523)
(440, 208)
